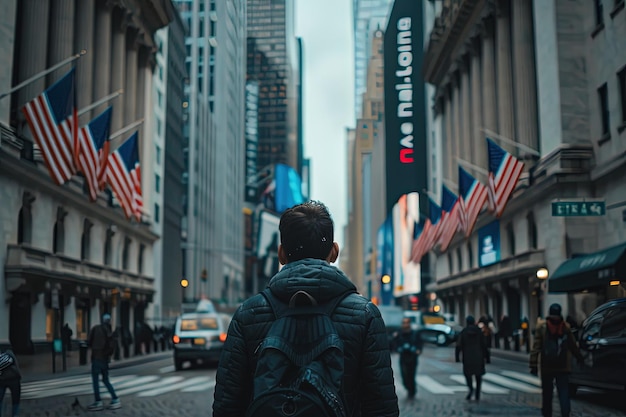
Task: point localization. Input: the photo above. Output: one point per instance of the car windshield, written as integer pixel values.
(204, 323)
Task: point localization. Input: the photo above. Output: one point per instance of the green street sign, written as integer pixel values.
(578, 208)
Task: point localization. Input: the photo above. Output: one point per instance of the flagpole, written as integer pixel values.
(99, 102)
(43, 73)
(126, 129)
(511, 142)
(471, 166)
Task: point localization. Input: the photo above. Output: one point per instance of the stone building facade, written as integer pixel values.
(534, 77)
(64, 259)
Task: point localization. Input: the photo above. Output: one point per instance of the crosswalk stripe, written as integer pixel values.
(165, 381)
(167, 369)
(200, 387)
(71, 389)
(519, 386)
(172, 387)
(431, 385)
(486, 387)
(530, 379)
(69, 380)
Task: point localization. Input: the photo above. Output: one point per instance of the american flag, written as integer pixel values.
(504, 171)
(451, 204)
(425, 241)
(473, 195)
(93, 151)
(124, 176)
(52, 118)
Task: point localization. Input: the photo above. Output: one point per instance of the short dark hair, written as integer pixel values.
(306, 231)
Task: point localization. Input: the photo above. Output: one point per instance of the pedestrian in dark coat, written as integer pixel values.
(307, 250)
(409, 345)
(471, 345)
(66, 335)
(11, 378)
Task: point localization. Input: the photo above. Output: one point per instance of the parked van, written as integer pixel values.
(199, 337)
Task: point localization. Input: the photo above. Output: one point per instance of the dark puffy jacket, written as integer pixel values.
(368, 385)
(97, 341)
(471, 345)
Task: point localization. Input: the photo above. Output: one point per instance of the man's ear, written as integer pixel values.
(334, 253)
(282, 256)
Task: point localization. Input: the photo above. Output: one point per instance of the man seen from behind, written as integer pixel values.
(307, 250)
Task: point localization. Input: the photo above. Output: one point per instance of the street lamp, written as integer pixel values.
(542, 273)
(183, 284)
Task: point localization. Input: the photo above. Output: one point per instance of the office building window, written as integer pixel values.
(532, 231)
(621, 76)
(510, 233)
(157, 183)
(125, 253)
(603, 96)
(156, 213)
(599, 8)
(158, 154)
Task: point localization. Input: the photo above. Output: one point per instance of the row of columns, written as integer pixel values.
(492, 87)
(50, 31)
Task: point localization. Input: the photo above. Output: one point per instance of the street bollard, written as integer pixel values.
(82, 357)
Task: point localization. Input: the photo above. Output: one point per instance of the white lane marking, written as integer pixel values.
(509, 383)
(431, 385)
(165, 381)
(73, 389)
(200, 387)
(30, 387)
(530, 379)
(172, 387)
(486, 387)
(167, 369)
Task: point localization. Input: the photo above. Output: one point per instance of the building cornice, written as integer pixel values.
(523, 264)
(29, 174)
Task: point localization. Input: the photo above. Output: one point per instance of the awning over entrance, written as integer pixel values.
(590, 271)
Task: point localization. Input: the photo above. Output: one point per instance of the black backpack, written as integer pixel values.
(300, 363)
(554, 353)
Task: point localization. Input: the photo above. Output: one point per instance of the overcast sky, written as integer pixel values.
(325, 27)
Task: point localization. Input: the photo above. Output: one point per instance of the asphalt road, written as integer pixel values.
(156, 389)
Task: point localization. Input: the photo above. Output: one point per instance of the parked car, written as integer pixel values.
(199, 337)
(433, 327)
(602, 342)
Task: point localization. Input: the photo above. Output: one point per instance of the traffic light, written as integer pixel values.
(413, 302)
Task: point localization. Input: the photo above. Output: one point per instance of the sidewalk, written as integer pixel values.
(40, 366)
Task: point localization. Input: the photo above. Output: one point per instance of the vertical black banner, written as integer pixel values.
(405, 102)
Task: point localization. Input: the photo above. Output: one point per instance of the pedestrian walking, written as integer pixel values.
(66, 336)
(409, 345)
(10, 378)
(308, 281)
(552, 352)
(102, 344)
(487, 328)
(471, 346)
(505, 332)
